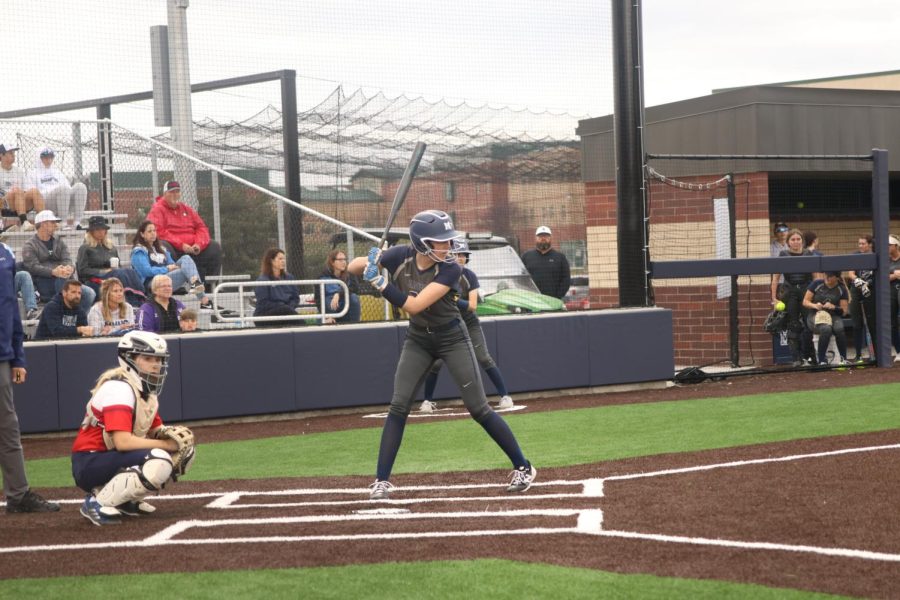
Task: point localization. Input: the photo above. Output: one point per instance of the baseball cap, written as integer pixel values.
(779, 227)
(45, 215)
(7, 147)
(47, 151)
(97, 222)
(543, 230)
(893, 241)
(171, 186)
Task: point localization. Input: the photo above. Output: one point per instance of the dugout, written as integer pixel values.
(264, 372)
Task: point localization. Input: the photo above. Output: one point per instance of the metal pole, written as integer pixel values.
(104, 157)
(77, 158)
(733, 299)
(180, 81)
(217, 216)
(882, 223)
(628, 123)
(290, 139)
(154, 171)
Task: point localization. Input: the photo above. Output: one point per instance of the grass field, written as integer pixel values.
(555, 438)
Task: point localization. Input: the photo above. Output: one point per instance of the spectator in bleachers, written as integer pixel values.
(111, 315)
(47, 259)
(17, 197)
(336, 268)
(184, 231)
(98, 259)
(188, 320)
(161, 312)
(63, 316)
(24, 287)
(276, 300)
(150, 258)
(62, 198)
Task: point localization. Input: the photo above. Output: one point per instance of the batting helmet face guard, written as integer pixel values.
(431, 226)
(146, 343)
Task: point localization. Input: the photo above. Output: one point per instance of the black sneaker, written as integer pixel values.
(30, 503)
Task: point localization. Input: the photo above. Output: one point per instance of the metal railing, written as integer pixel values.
(321, 315)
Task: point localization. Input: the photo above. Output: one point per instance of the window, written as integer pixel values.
(449, 191)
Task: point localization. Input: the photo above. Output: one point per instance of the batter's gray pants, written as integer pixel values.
(12, 459)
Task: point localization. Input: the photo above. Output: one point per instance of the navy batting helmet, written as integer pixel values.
(461, 247)
(432, 226)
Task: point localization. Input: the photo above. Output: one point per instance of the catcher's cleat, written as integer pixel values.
(521, 479)
(93, 512)
(505, 402)
(427, 406)
(380, 490)
(136, 509)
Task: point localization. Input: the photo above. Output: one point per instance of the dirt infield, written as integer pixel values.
(813, 514)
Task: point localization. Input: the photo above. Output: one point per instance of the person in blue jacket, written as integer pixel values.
(63, 317)
(276, 300)
(19, 497)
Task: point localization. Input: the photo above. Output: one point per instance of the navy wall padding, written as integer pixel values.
(629, 345)
(345, 365)
(36, 399)
(543, 352)
(245, 373)
(239, 373)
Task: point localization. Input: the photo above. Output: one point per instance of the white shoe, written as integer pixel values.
(427, 407)
(505, 402)
(26, 226)
(380, 490)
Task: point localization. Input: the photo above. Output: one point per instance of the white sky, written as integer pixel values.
(544, 54)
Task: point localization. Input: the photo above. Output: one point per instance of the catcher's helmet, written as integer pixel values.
(147, 343)
(432, 226)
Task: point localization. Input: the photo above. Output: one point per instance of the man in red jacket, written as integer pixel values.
(184, 231)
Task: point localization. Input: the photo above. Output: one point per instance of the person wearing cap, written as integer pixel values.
(779, 242)
(98, 259)
(17, 196)
(59, 196)
(48, 260)
(184, 231)
(548, 268)
(13, 370)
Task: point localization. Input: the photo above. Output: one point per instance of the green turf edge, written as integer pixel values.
(495, 579)
(549, 439)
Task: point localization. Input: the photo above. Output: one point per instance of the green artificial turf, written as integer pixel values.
(495, 579)
(549, 439)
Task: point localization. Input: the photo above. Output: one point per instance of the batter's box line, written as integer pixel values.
(442, 412)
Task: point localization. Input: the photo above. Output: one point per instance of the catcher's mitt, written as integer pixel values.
(184, 456)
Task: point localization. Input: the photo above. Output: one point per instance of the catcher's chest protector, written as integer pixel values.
(144, 410)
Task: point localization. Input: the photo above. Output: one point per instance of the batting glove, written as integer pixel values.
(374, 255)
(374, 277)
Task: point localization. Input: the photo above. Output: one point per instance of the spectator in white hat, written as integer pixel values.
(48, 260)
(548, 268)
(17, 195)
(67, 201)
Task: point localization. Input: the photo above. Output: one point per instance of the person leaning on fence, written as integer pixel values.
(17, 195)
(862, 300)
(184, 231)
(47, 258)
(276, 300)
(150, 258)
(111, 315)
(827, 302)
(161, 312)
(19, 497)
(98, 259)
(59, 196)
(791, 292)
(63, 317)
(336, 268)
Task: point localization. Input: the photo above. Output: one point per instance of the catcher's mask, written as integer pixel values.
(145, 343)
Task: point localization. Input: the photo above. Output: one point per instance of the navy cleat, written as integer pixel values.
(522, 478)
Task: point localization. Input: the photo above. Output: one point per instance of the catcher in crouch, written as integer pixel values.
(123, 452)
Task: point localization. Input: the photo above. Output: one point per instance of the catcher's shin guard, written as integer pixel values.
(135, 483)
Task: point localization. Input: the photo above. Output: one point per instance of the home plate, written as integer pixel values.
(382, 511)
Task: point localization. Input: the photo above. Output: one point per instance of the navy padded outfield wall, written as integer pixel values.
(256, 372)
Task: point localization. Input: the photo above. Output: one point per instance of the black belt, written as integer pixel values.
(435, 328)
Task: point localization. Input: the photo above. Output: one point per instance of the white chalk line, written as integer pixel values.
(589, 520)
(442, 412)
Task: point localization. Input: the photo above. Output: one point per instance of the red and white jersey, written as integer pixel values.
(112, 408)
